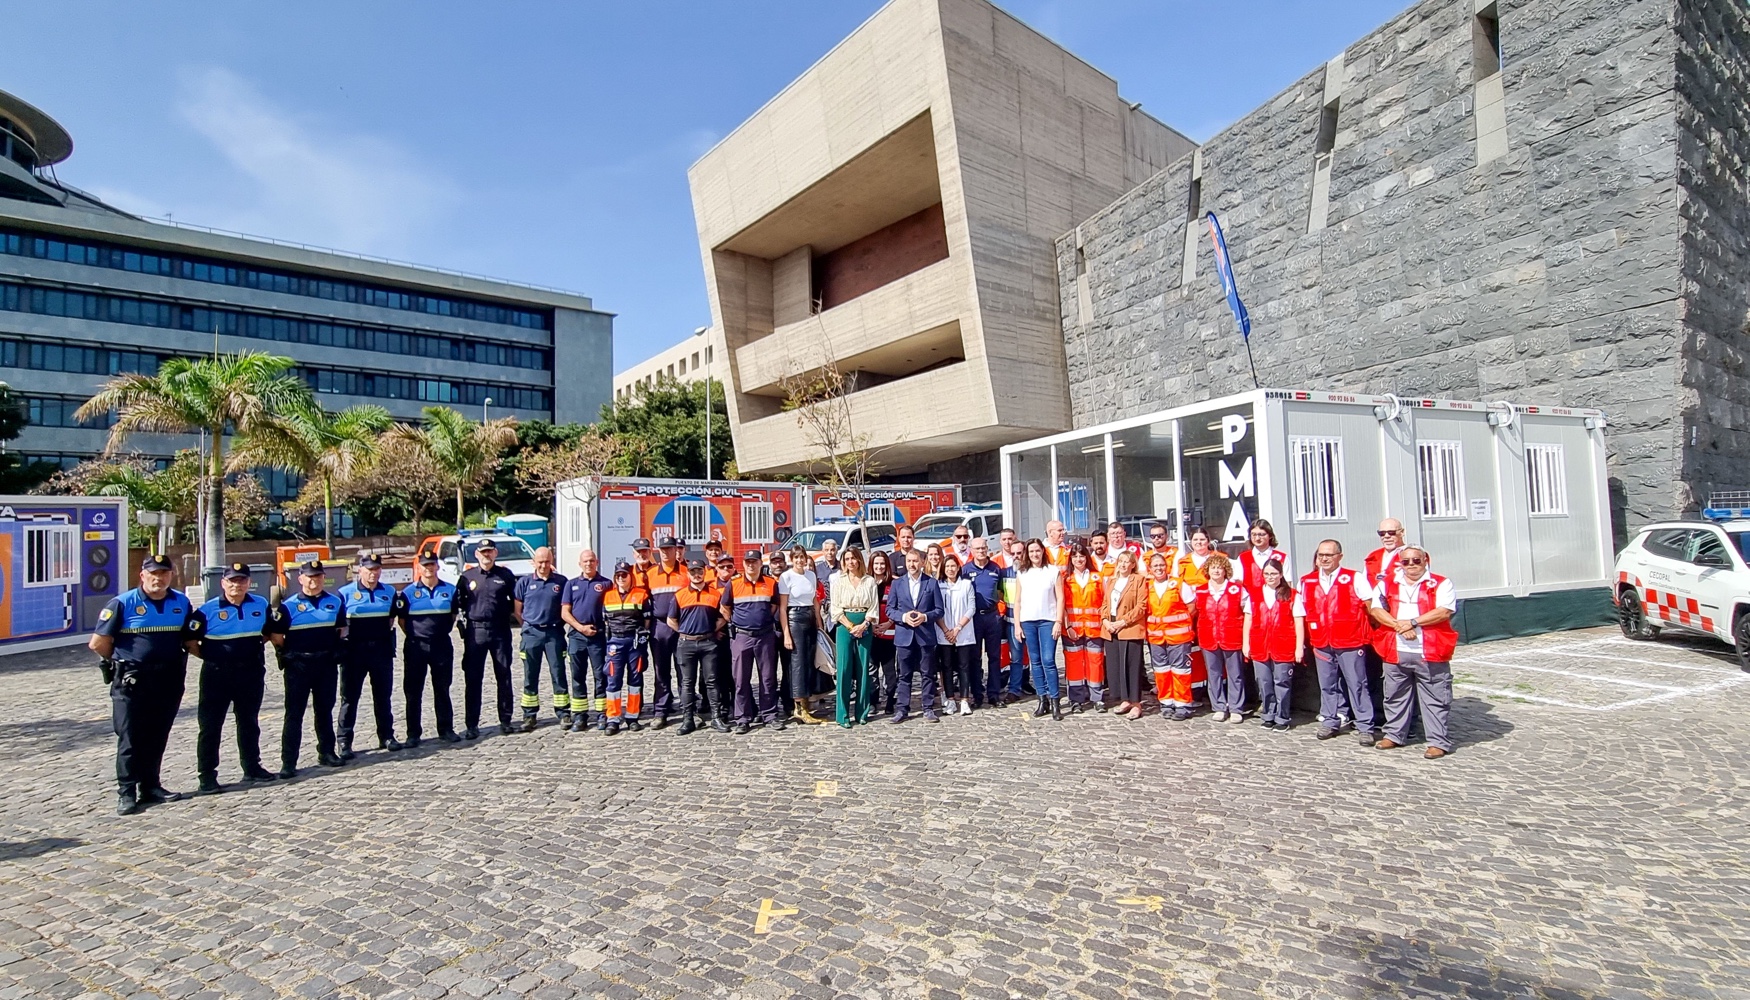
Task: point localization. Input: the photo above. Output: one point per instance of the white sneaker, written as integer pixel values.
(1218, 717)
(1236, 718)
(965, 707)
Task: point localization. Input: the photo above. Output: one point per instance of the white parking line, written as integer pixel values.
(1498, 693)
(1729, 682)
(1574, 674)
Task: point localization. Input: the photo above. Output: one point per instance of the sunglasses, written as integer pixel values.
(1157, 534)
(1388, 534)
(962, 538)
(1413, 562)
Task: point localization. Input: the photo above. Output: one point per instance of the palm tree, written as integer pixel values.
(248, 395)
(467, 452)
(325, 448)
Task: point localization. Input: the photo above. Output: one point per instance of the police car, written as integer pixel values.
(845, 532)
(1692, 576)
(984, 519)
(456, 553)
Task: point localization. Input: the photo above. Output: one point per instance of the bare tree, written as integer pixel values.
(399, 469)
(591, 454)
(842, 459)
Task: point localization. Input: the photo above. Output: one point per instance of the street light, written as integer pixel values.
(701, 332)
(484, 403)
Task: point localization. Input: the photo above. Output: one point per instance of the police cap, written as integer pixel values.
(671, 542)
(697, 565)
(237, 571)
(751, 555)
(155, 562)
(622, 567)
(312, 568)
(428, 559)
(641, 545)
(725, 560)
(369, 560)
(486, 544)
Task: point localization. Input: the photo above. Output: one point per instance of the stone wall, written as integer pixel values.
(1713, 154)
(1548, 275)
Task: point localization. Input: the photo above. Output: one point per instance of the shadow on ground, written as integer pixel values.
(18, 850)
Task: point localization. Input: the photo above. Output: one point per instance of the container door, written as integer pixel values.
(622, 524)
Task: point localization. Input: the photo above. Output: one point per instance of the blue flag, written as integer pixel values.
(1224, 267)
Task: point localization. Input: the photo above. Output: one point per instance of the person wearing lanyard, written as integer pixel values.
(370, 652)
(664, 580)
(697, 622)
(751, 605)
(586, 643)
(986, 578)
(428, 614)
(233, 676)
(854, 596)
(538, 598)
(309, 630)
(488, 598)
(799, 615)
(1416, 640)
(142, 641)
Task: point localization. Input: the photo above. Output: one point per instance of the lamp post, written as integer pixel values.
(701, 332)
(484, 403)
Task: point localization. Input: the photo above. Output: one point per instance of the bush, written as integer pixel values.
(404, 529)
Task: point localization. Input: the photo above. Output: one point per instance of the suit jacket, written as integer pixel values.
(1132, 609)
(929, 602)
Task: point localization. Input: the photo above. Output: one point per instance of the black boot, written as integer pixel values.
(1043, 709)
(345, 749)
(688, 724)
(1056, 708)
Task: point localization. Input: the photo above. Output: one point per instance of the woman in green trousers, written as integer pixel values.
(852, 606)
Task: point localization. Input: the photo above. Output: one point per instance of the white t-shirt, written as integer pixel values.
(1118, 585)
(1270, 599)
(801, 588)
(1260, 557)
(1363, 589)
(1409, 607)
(1037, 598)
(957, 606)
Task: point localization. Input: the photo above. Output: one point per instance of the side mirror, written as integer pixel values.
(1714, 560)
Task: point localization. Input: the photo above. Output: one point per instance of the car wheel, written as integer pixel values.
(1741, 638)
(1632, 616)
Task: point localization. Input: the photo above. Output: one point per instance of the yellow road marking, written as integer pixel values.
(762, 924)
(1152, 903)
(825, 789)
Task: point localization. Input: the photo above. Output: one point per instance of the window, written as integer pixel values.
(1440, 474)
(878, 512)
(1709, 551)
(692, 521)
(880, 534)
(1318, 479)
(1486, 42)
(574, 524)
(756, 523)
(51, 555)
(1546, 477)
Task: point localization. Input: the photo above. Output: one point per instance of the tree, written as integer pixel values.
(842, 461)
(16, 475)
(464, 452)
(400, 474)
(591, 453)
(248, 395)
(175, 488)
(664, 425)
(322, 447)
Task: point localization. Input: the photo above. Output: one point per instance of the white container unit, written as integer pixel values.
(1510, 499)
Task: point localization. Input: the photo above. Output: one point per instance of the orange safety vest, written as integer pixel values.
(1169, 619)
(1058, 556)
(1191, 573)
(1082, 604)
(1147, 557)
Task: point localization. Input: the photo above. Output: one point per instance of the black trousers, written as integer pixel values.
(800, 677)
(310, 680)
(436, 657)
(143, 703)
(661, 663)
(477, 642)
(695, 663)
(884, 670)
(233, 688)
(375, 660)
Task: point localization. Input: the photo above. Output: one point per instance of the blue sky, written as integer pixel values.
(542, 142)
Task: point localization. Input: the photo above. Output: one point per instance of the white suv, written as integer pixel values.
(1689, 575)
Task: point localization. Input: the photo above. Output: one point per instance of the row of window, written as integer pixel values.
(48, 356)
(120, 258)
(134, 311)
(676, 370)
(57, 411)
(1320, 493)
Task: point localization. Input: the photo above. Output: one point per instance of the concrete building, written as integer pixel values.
(88, 291)
(1537, 200)
(688, 361)
(893, 211)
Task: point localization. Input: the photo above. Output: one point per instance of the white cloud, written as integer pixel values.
(352, 192)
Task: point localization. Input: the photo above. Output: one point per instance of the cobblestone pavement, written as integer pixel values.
(1580, 843)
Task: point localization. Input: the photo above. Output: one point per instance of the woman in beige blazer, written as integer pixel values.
(1123, 621)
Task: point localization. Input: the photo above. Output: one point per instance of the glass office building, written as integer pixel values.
(88, 291)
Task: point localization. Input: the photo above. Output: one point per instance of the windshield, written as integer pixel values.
(941, 527)
(508, 549)
(1742, 540)
(814, 539)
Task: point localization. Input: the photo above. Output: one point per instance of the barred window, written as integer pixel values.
(1319, 493)
(1440, 476)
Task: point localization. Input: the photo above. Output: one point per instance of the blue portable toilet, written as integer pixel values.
(531, 528)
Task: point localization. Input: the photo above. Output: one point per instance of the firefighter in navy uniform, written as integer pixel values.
(486, 598)
(143, 639)
(626, 611)
(370, 652)
(428, 613)
(232, 631)
(309, 629)
(539, 596)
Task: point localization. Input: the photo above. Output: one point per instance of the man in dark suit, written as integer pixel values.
(914, 603)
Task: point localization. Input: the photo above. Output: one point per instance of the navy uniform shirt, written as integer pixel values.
(541, 599)
(987, 584)
(232, 635)
(428, 613)
(149, 633)
(370, 613)
(311, 625)
(486, 596)
(584, 596)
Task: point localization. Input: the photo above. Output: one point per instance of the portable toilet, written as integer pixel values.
(531, 528)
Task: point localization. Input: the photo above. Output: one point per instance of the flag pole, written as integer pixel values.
(1250, 363)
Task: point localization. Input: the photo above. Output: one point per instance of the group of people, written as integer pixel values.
(761, 641)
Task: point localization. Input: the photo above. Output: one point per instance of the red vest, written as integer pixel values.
(1438, 641)
(1335, 619)
(1380, 564)
(1220, 619)
(1252, 575)
(1273, 630)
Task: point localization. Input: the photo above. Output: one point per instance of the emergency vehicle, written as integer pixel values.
(456, 552)
(846, 532)
(1693, 576)
(985, 520)
(896, 503)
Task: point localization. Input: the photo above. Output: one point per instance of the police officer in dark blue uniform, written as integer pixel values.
(370, 652)
(538, 599)
(144, 638)
(309, 628)
(232, 631)
(427, 614)
(486, 596)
